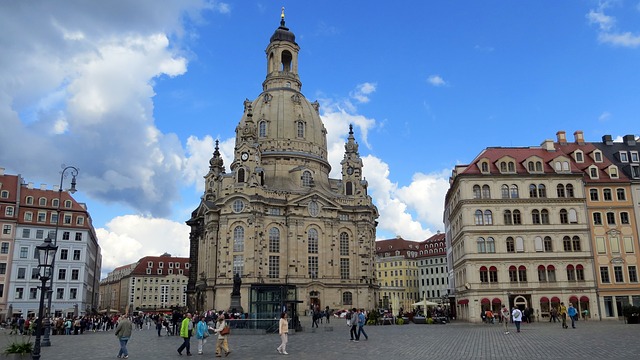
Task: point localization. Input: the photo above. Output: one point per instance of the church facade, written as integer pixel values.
(297, 238)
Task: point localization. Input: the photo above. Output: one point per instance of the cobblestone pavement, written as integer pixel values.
(591, 339)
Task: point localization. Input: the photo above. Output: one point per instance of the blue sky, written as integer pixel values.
(135, 93)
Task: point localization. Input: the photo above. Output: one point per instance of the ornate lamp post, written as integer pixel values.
(46, 255)
(74, 172)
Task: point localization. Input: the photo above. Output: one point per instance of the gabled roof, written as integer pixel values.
(520, 155)
(177, 263)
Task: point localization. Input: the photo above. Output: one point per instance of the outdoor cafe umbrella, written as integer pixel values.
(425, 303)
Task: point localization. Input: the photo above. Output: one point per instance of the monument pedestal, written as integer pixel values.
(235, 304)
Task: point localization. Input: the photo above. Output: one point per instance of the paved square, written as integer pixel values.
(591, 340)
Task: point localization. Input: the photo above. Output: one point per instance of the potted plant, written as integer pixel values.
(19, 348)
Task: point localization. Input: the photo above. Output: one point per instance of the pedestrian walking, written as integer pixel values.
(185, 334)
(505, 318)
(563, 315)
(202, 333)
(573, 314)
(516, 315)
(283, 330)
(352, 323)
(221, 329)
(361, 322)
(123, 333)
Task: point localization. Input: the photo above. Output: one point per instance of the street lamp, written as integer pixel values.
(74, 172)
(46, 255)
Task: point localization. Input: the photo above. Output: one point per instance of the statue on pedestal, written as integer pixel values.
(237, 282)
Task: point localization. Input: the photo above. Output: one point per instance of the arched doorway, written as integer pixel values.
(314, 300)
(520, 302)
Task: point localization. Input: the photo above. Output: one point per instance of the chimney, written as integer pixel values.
(562, 137)
(30, 185)
(43, 186)
(548, 145)
(630, 140)
(607, 140)
(56, 187)
(579, 137)
(1, 171)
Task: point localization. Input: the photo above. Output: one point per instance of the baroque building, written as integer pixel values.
(30, 214)
(519, 232)
(153, 283)
(292, 234)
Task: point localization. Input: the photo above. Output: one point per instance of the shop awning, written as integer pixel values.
(463, 302)
(544, 299)
(496, 301)
(485, 301)
(555, 299)
(584, 299)
(573, 299)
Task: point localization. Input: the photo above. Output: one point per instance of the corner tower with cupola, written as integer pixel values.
(298, 238)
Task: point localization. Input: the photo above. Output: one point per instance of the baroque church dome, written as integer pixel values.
(281, 123)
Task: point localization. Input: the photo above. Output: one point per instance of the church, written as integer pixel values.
(276, 231)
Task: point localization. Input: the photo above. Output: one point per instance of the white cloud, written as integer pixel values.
(436, 80)
(607, 32)
(605, 116)
(362, 92)
(126, 239)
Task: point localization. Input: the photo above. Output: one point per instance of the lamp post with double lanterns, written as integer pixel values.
(74, 172)
(46, 255)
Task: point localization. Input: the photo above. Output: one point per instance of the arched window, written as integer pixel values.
(344, 244)
(486, 192)
(570, 193)
(513, 274)
(503, 167)
(300, 126)
(537, 242)
(560, 190)
(484, 167)
(262, 128)
(491, 245)
(29, 199)
(566, 243)
(514, 192)
(548, 244)
(517, 219)
(307, 180)
(493, 274)
(347, 298)
(551, 273)
(606, 195)
(619, 192)
(504, 189)
(240, 175)
(349, 188)
(484, 274)
(542, 273)
(507, 217)
(593, 194)
(238, 239)
(579, 272)
(488, 217)
(55, 202)
(544, 216)
(476, 192)
(519, 244)
(511, 245)
(535, 216)
(564, 216)
(542, 191)
(481, 245)
(565, 166)
(576, 243)
(274, 239)
(512, 166)
(530, 166)
(538, 166)
(478, 217)
(42, 201)
(312, 239)
(571, 273)
(533, 191)
(522, 273)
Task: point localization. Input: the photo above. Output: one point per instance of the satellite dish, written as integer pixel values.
(467, 286)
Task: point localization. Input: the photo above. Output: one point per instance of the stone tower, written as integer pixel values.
(298, 238)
